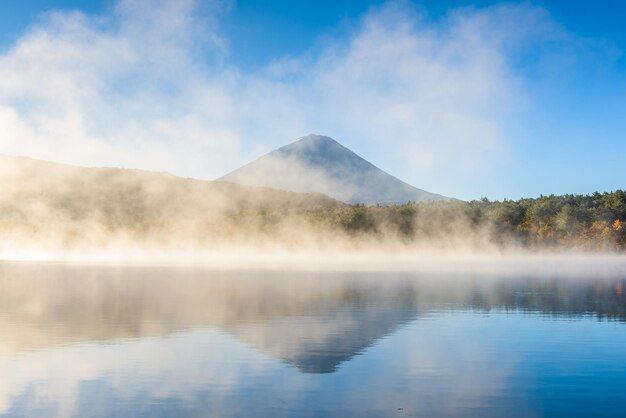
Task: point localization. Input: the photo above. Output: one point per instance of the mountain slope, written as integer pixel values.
(22, 177)
(66, 203)
(320, 164)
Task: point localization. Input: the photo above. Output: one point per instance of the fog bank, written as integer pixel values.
(52, 211)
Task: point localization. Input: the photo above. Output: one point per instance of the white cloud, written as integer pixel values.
(151, 86)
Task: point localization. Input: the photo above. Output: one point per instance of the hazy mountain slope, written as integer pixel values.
(64, 202)
(23, 176)
(320, 164)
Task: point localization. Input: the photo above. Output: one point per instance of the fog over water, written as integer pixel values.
(130, 293)
(53, 211)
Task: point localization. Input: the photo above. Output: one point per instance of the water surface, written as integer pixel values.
(79, 341)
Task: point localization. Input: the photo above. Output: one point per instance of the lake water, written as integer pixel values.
(87, 341)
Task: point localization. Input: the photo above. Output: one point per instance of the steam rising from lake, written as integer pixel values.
(51, 211)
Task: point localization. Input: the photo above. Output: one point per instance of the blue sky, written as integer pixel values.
(466, 99)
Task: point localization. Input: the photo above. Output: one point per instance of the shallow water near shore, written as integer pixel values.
(100, 341)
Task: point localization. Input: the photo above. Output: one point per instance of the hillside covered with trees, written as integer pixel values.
(595, 222)
(585, 222)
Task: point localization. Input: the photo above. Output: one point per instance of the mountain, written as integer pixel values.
(317, 163)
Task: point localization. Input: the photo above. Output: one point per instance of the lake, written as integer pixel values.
(167, 341)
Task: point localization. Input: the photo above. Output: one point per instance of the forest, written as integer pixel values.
(586, 222)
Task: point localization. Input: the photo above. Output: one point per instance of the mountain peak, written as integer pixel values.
(316, 139)
(317, 163)
(312, 143)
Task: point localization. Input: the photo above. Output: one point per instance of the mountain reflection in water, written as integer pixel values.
(311, 323)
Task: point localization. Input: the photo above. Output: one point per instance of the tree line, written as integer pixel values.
(587, 222)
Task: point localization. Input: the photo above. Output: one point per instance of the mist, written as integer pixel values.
(56, 211)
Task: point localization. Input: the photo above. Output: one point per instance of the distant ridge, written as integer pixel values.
(89, 188)
(57, 207)
(316, 163)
